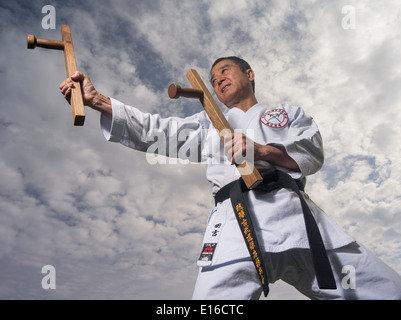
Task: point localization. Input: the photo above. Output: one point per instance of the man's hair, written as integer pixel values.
(239, 62)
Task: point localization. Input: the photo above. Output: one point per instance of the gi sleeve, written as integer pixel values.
(302, 141)
(173, 136)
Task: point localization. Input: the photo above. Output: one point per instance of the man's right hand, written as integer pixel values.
(88, 90)
(91, 97)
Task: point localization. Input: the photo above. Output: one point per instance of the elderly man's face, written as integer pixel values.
(230, 84)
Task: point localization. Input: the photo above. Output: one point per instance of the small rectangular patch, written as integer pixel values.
(207, 252)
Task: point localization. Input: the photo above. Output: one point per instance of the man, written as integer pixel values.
(284, 141)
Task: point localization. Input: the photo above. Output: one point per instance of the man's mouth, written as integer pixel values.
(224, 87)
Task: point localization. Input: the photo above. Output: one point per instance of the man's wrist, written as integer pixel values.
(261, 152)
(102, 104)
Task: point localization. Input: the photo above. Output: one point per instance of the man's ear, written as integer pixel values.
(251, 74)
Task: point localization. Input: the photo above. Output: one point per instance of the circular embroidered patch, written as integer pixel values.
(276, 118)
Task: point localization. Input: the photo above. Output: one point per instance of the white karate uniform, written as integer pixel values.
(277, 215)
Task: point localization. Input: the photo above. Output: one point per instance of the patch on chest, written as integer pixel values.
(276, 118)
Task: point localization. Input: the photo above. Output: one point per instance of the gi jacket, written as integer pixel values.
(277, 215)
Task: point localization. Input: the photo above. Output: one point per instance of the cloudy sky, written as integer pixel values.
(114, 226)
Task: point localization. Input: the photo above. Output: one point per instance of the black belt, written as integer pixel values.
(272, 180)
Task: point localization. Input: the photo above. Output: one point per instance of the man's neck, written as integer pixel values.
(245, 105)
